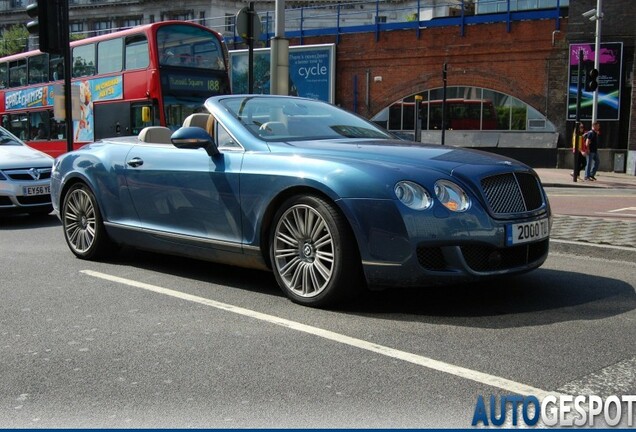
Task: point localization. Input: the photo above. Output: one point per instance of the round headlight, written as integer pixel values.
(451, 196)
(413, 195)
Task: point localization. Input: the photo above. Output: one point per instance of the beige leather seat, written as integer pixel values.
(155, 134)
(202, 120)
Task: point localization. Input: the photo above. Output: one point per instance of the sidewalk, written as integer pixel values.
(593, 230)
(562, 178)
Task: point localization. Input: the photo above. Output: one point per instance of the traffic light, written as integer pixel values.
(46, 23)
(591, 80)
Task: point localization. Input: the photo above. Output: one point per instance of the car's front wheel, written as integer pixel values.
(313, 252)
(83, 226)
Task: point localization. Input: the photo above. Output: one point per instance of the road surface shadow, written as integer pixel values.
(541, 297)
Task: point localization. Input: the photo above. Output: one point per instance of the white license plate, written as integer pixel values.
(527, 232)
(36, 190)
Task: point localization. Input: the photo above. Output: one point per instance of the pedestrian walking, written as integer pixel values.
(579, 150)
(593, 160)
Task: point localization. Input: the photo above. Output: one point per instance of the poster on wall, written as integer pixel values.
(609, 80)
(311, 71)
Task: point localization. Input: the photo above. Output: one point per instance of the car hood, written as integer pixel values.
(23, 157)
(401, 154)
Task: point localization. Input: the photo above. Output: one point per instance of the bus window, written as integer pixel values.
(39, 125)
(84, 60)
(137, 56)
(17, 73)
(109, 56)
(38, 69)
(4, 74)
(57, 127)
(56, 68)
(188, 46)
(18, 125)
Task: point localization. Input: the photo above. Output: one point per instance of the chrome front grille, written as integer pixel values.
(28, 174)
(512, 193)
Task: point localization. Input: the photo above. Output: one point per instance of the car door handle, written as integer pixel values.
(135, 162)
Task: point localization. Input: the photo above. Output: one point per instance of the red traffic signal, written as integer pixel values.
(591, 80)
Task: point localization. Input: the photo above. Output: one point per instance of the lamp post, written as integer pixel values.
(596, 15)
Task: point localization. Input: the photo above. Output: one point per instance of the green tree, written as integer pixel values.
(14, 40)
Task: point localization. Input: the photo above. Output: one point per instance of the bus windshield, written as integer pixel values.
(187, 46)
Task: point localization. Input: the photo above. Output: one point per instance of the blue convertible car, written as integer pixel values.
(326, 200)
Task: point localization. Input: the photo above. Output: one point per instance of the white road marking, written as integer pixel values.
(622, 209)
(458, 371)
(609, 213)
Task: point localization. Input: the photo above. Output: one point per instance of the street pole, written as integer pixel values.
(579, 90)
(597, 55)
(279, 58)
(68, 70)
(444, 104)
(250, 48)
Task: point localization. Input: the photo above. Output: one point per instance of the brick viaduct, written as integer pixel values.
(523, 63)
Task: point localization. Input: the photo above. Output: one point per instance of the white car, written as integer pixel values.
(25, 177)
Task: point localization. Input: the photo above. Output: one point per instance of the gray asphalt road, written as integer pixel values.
(151, 341)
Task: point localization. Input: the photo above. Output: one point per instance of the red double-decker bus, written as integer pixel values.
(154, 74)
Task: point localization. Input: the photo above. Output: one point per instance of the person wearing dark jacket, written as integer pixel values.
(593, 161)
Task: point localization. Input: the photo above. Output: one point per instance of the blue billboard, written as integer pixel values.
(311, 71)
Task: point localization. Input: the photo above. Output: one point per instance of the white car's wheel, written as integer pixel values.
(313, 253)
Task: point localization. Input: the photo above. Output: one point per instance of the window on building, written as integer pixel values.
(131, 22)
(102, 27)
(110, 56)
(467, 108)
(180, 16)
(76, 27)
(230, 22)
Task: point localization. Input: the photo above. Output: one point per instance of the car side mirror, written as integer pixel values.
(193, 138)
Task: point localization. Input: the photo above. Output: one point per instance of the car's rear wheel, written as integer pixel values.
(83, 226)
(313, 252)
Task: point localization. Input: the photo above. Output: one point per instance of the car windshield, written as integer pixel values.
(291, 119)
(8, 139)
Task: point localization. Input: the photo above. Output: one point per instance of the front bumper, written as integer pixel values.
(403, 247)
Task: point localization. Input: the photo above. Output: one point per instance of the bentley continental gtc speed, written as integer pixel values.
(327, 201)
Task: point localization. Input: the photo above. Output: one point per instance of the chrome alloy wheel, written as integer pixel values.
(304, 251)
(79, 220)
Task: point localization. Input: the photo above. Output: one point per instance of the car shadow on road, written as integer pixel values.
(26, 221)
(541, 297)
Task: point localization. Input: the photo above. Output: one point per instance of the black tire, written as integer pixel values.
(83, 226)
(313, 253)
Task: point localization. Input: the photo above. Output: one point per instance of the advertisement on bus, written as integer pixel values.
(90, 90)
